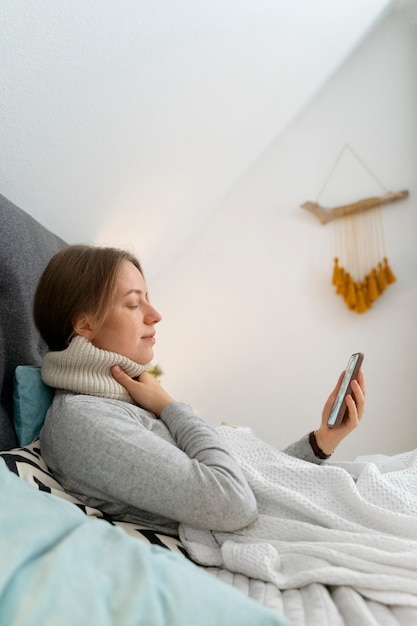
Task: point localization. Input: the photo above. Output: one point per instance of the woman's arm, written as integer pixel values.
(321, 444)
(175, 468)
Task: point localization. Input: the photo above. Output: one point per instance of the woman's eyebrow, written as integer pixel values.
(139, 292)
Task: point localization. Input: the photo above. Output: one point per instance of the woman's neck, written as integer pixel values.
(83, 368)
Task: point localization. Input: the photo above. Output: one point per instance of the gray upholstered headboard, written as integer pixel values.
(25, 248)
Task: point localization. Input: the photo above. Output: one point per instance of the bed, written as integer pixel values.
(63, 562)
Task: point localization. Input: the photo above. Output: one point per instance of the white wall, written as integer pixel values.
(253, 333)
(148, 127)
(146, 112)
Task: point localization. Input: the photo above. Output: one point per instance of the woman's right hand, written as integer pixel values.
(146, 391)
(329, 438)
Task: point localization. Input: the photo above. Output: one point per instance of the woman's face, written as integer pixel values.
(129, 328)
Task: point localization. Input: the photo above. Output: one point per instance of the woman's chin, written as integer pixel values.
(142, 359)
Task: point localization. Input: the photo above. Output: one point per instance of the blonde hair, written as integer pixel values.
(78, 279)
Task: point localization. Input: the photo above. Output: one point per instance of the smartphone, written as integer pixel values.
(339, 408)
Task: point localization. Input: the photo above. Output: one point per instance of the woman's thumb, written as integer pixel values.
(118, 373)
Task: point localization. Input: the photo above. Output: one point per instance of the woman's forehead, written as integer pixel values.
(130, 279)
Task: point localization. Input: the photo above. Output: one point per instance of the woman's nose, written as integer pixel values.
(153, 317)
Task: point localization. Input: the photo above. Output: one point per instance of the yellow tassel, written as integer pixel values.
(365, 289)
(346, 284)
(343, 290)
(351, 294)
(389, 274)
(373, 293)
(341, 287)
(336, 272)
(360, 300)
(381, 278)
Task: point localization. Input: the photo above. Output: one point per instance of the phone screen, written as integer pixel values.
(343, 389)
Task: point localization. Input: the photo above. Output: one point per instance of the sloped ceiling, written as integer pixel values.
(146, 113)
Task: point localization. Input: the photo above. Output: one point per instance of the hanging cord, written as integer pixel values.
(336, 162)
(381, 233)
(354, 247)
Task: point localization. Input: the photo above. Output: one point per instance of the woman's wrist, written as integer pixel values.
(321, 449)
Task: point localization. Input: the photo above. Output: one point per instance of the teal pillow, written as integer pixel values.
(31, 400)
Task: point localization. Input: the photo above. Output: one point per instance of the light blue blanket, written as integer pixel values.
(58, 567)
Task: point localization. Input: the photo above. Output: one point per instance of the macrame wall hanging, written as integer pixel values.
(361, 271)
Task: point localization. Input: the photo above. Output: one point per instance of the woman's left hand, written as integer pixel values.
(329, 438)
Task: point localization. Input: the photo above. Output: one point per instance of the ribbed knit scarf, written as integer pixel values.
(83, 368)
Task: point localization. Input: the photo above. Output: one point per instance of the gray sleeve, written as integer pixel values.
(301, 449)
(220, 491)
(111, 455)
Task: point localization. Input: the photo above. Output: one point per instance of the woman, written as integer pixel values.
(113, 436)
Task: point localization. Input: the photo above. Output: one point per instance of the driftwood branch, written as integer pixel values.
(326, 215)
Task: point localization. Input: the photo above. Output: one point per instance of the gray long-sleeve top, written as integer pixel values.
(119, 458)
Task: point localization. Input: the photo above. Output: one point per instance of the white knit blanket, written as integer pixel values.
(338, 524)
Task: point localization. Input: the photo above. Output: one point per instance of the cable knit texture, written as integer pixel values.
(83, 368)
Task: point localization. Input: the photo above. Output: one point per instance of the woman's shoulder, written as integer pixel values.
(64, 398)
(82, 406)
(76, 416)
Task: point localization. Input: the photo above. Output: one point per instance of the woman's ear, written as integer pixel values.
(83, 326)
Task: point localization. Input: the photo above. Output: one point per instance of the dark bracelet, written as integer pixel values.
(318, 452)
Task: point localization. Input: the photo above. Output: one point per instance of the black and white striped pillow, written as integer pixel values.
(27, 463)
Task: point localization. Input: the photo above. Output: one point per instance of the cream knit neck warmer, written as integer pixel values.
(83, 368)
